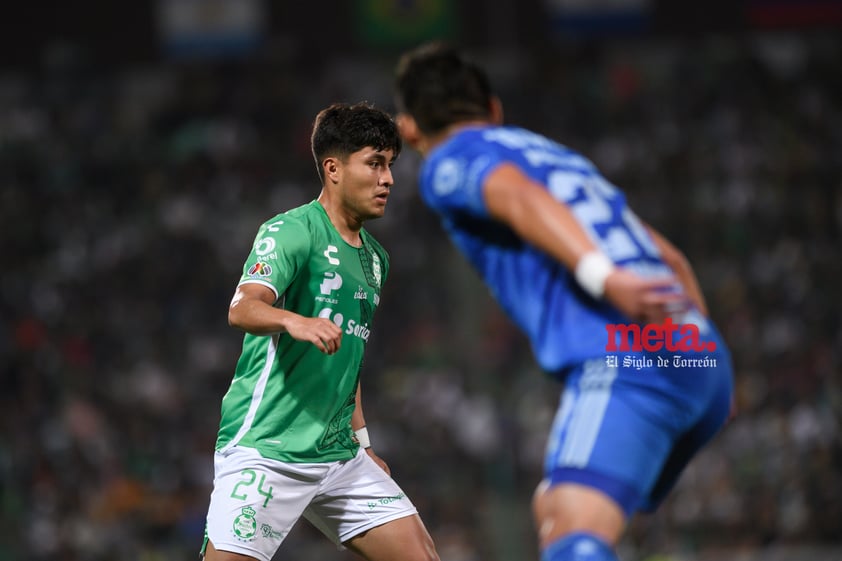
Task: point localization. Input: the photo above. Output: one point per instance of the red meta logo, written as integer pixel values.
(654, 337)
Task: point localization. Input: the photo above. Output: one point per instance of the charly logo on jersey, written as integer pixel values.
(260, 269)
(331, 249)
(332, 280)
(352, 328)
(245, 526)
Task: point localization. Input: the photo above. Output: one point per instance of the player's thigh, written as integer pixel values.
(255, 502)
(609, 436)
(404, 538)
(213, 554)
(689, 444)
(356, 497)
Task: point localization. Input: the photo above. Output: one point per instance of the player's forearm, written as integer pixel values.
(257, 317)
(357, 418)
(682, 268)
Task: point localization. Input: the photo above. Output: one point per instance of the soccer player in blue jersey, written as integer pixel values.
(611, 308)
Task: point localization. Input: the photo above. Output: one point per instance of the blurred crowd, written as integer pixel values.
(129, 199)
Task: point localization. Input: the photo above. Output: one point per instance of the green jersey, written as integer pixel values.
(287, 399)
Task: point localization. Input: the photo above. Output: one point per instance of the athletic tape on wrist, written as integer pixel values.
(362, 437)
(591, 271)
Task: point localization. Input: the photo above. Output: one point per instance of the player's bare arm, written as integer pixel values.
(679, 263)
(358, 423)
(252, 311)
(516, 200)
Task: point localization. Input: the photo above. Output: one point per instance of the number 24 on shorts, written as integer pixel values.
(248, 481)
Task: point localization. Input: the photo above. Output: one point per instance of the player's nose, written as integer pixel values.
(386, 178)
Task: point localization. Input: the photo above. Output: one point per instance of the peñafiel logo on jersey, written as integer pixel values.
(260, 269)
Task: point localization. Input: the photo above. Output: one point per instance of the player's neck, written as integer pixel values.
(430, 142)
(347, 225)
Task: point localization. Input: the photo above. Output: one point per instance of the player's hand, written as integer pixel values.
(322, 332)
(378, 460)
(644, 300)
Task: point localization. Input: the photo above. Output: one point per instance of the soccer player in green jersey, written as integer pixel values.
(292, 439)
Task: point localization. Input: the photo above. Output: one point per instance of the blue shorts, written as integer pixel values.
(630, 429)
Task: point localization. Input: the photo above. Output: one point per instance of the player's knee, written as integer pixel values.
(539, 501)
(564, 509)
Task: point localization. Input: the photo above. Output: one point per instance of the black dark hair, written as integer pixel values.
(342, 129)
(438, 87)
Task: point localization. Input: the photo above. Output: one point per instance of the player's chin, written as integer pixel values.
(378, 209)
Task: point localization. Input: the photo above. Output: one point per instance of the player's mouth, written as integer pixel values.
(381, 197)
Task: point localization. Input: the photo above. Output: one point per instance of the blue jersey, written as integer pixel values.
(627, 427)
(563, 323)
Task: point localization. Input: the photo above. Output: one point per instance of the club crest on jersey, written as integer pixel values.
(260, 269)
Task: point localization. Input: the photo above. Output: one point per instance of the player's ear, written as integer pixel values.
(408, 129)
(330, 167)
(495, 108)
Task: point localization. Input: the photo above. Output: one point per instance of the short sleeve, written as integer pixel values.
(280, 250)
(454, 182)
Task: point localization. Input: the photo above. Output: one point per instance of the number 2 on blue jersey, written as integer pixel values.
(621, 235)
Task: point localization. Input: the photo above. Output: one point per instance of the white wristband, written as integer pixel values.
(591, 271)
(362, 437)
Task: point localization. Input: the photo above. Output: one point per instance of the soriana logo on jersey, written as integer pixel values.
(655, 337)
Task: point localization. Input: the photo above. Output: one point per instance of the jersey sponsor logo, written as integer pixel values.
(383, 501)
(337, 318)
(264, 246)
(358, 330)
(269, 532)
(353, 328)
(333, 281)
(360, 294)
(328, 253)
(260, 269)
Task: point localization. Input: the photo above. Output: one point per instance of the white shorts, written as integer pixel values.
(256, 501)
